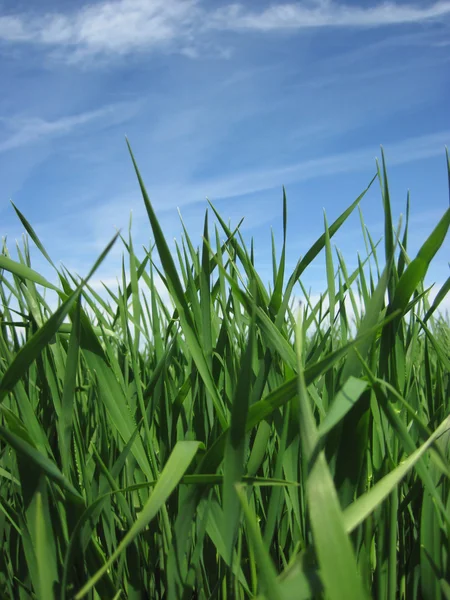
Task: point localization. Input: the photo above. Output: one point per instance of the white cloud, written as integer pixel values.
(327, 13)
(120, 27)
(30, 130)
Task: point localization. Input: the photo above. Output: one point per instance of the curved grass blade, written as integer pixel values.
(179, 460)
(363, 506)
(440, 296)
(34, 346)
(342, 403)
(42, 462)
(33, 235)
(417, 269)
(25, 272)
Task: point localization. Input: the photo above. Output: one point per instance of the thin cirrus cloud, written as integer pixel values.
(120, 27)
(257, 180)
(326, 13)
(26, 131)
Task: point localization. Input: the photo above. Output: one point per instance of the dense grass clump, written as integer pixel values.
(233, 445)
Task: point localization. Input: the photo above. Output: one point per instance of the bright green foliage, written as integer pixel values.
(228, 444)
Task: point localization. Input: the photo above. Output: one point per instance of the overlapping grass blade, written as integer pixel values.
(177, 295)
(333, 547)
(176, 466)
(103, 491)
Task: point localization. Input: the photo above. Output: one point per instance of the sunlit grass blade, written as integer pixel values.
(342, 403)
(31, 350)
(277, 295)
(417, 269)
(33, 235)
(389, 247)
(24, 272)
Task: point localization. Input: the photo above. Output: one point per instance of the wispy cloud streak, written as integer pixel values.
(252, 181)
(326, 13)
(27, 131)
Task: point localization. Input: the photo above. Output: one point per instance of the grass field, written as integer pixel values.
(238, 445)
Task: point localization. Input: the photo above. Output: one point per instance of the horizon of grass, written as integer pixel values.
(234, 445)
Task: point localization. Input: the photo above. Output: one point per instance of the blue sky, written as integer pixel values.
(225, 101)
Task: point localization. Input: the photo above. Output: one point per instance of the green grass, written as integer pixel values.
(237, 444)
